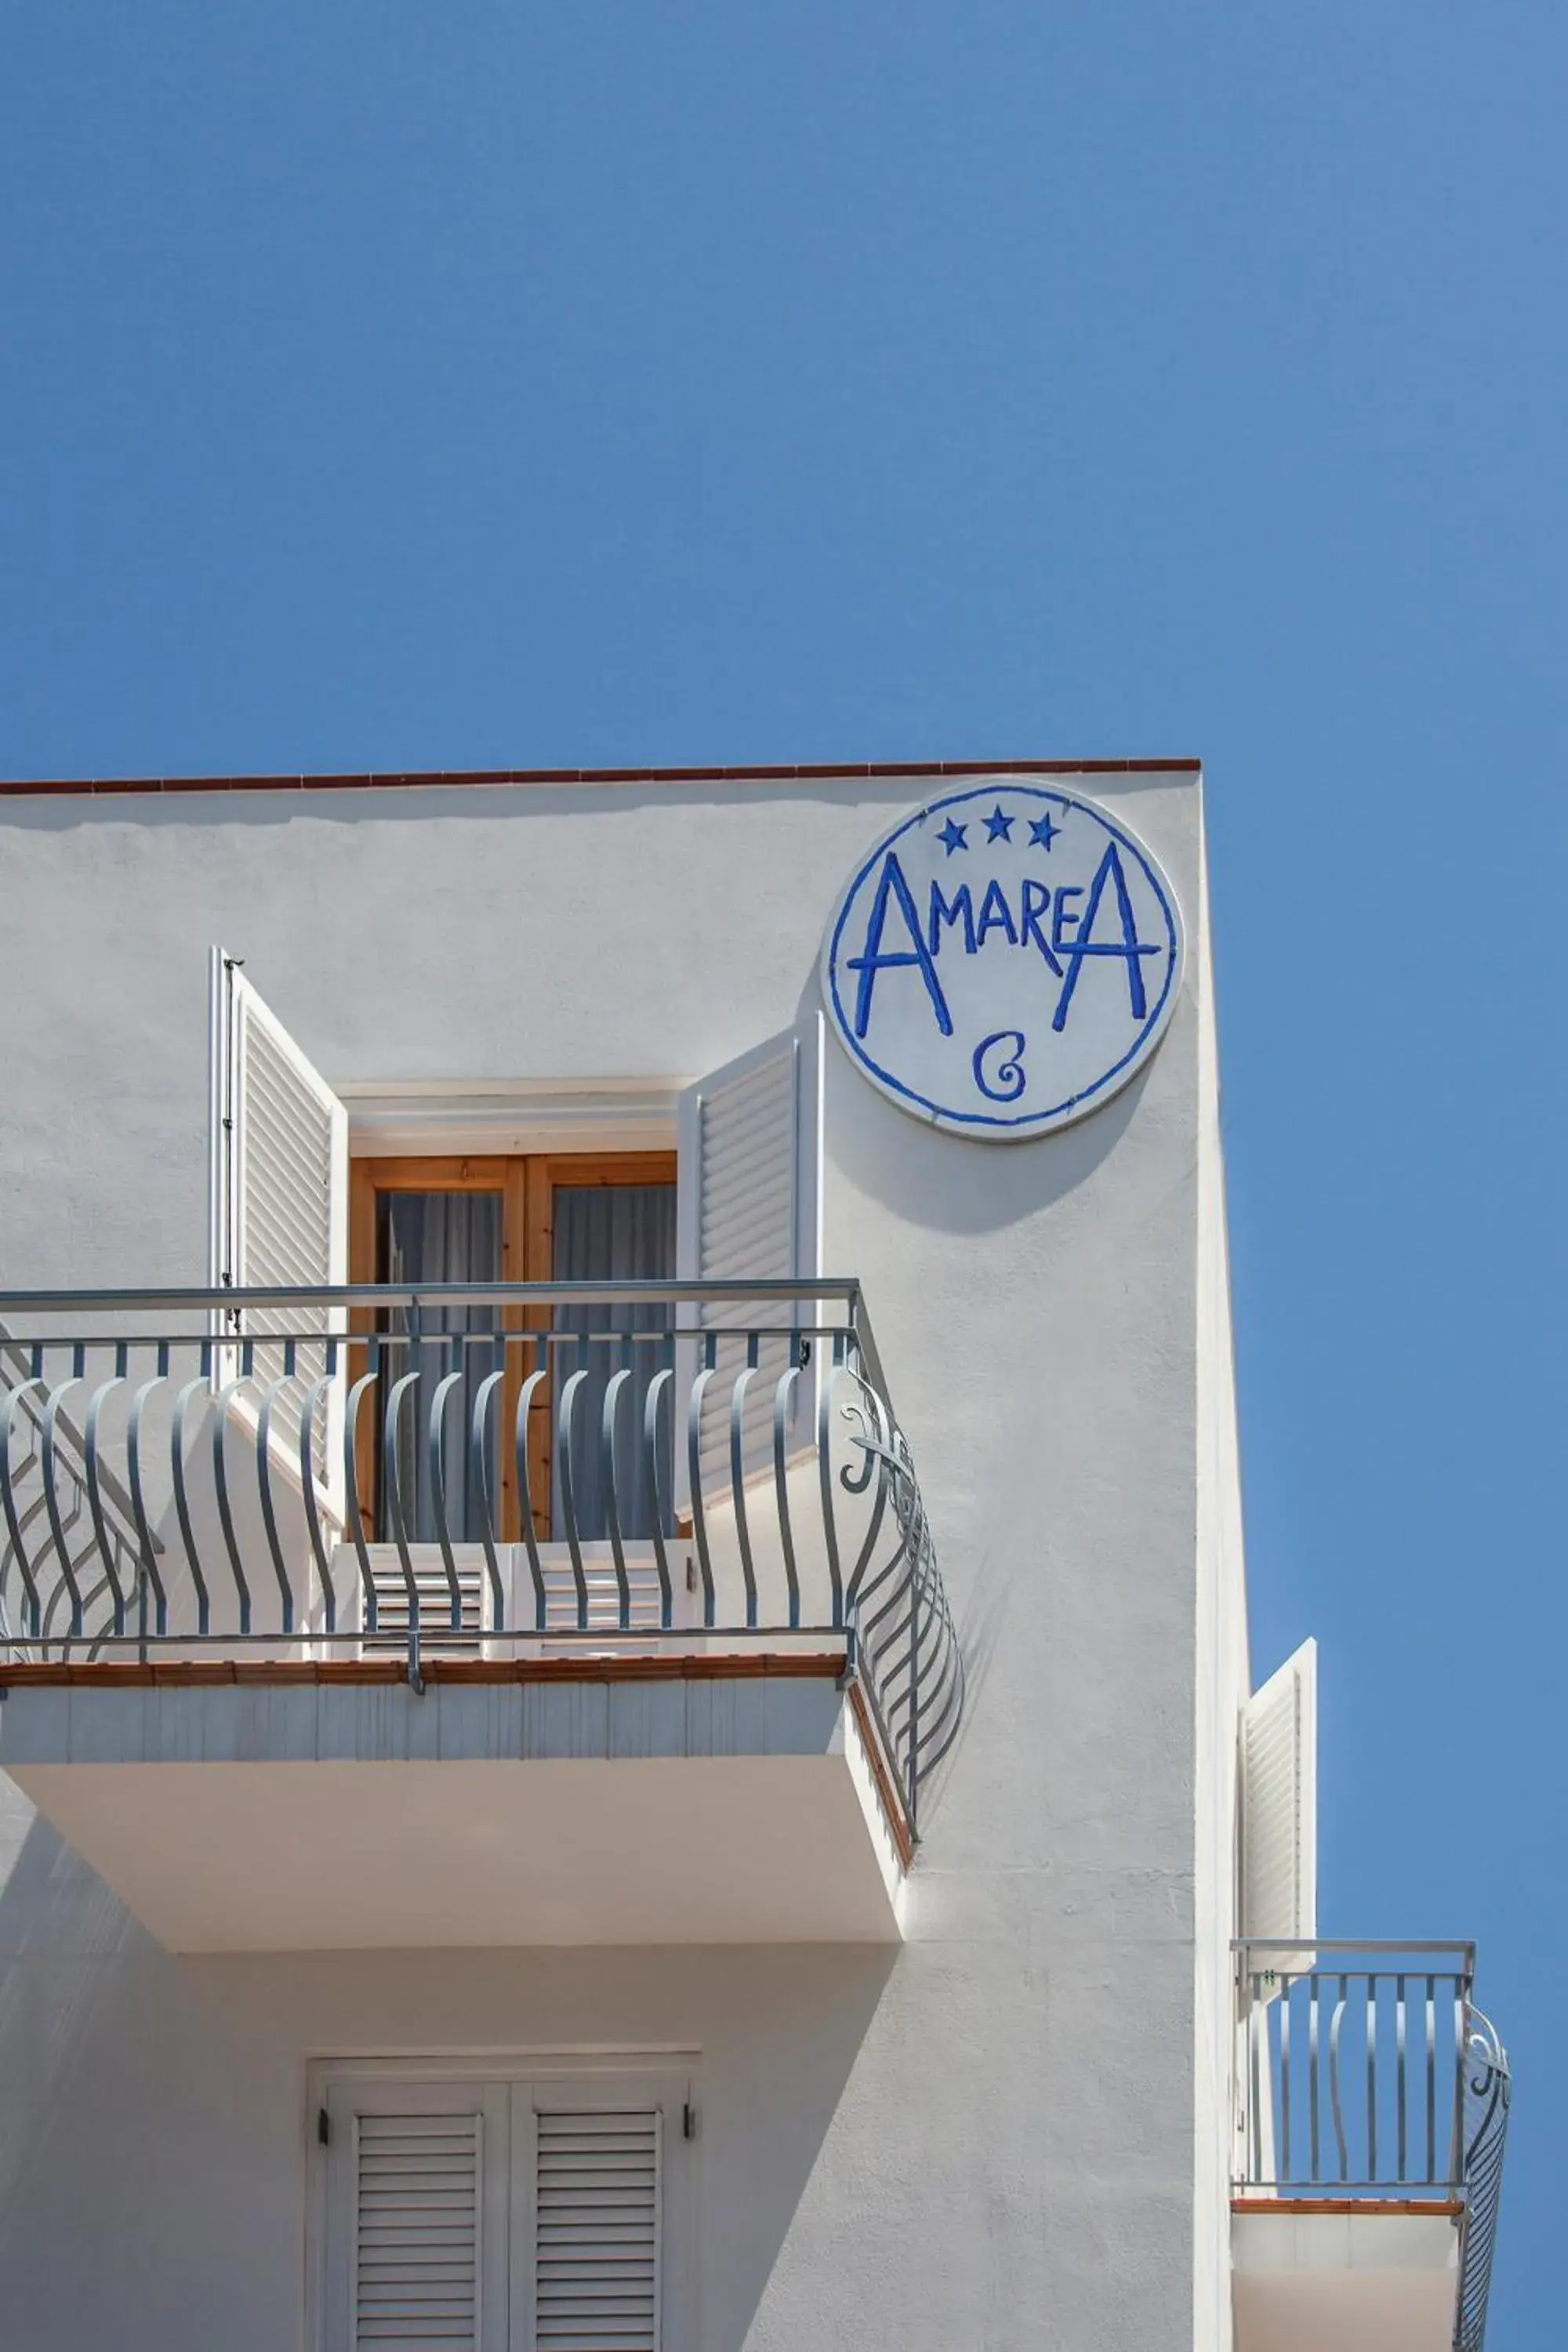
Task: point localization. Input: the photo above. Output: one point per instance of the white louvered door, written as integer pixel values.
(417, 2230)
(598, 2211)
(279, 1164)
(520, 2213)
(418, 2218)
(1279, 1809)
(748, 1209)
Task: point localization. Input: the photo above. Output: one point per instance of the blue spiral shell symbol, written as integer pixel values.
(1007, 1081)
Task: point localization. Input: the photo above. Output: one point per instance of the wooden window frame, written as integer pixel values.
(527, 1182)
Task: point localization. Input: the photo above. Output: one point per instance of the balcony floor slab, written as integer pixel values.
(1375, 2277)
(341, 1815)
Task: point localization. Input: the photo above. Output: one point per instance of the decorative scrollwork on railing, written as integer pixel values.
(1488, 2087)
(899, 1607)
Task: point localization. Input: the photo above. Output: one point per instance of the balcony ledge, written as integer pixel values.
(1295, 2207)
(290, 1805)
(1365, 2275)
(188, 1674)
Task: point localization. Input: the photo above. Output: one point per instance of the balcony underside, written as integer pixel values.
(1371, 2276)
(292, 1806)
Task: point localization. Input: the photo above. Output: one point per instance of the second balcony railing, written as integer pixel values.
(1366, 2074)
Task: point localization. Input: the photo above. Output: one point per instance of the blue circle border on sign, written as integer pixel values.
(1089, 1097)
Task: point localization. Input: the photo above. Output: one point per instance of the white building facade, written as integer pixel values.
(628, 1724)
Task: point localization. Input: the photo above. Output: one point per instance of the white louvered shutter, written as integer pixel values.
(597, 2230)
(750, 1210)
(1280, 1810)
(512, 2214)
(417, 2282)
(279, 1194)
(437, 1634)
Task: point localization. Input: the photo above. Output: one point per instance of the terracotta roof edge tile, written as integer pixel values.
(460, 779)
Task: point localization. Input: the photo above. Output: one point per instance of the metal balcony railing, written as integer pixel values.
(522, 1470)
(1367, 2072)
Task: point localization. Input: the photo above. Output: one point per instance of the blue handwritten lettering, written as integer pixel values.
(1129, 947)
(962, 911)
(1062, 915)
(996, 915)
(892, 887)
(1036, 897)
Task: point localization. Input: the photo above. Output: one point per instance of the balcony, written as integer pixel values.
(556, 1614)
(1372, 2100)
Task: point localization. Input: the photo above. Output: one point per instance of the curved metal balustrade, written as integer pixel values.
(1488, 2086)
(58, 1503)
(1370, 2073)
(494, 1469)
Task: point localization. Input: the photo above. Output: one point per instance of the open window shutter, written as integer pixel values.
(1279, 1808)
(418, 2279)
(750, 1192)
(280, 1191)
(597, 2229)
(748, 1209)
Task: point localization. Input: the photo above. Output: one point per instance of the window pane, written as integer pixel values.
(432, 1238)
(613, 1233)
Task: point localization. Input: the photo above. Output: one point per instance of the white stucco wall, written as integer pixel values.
(987, 2141)
(1223, 1682)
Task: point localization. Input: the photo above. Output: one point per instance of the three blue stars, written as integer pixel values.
(998, 828)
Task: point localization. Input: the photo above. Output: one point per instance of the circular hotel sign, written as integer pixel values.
(1003, 960)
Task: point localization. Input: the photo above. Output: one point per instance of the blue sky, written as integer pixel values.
(389, 386)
